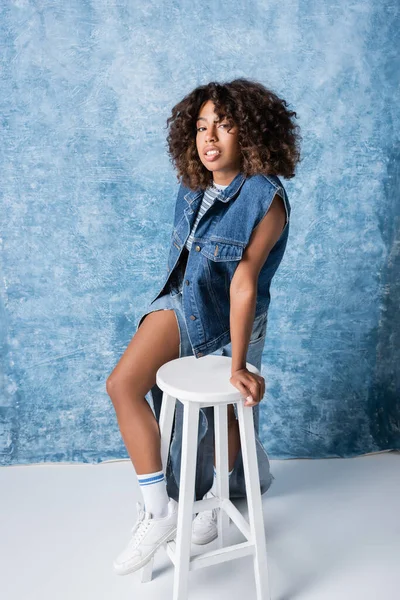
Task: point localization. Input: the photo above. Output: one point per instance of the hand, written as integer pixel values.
(250, 385)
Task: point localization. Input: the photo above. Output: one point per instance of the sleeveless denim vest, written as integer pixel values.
(220, 239)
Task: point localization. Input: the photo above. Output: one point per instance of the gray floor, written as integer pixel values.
(332, 528)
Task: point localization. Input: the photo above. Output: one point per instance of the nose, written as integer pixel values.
(211, 134)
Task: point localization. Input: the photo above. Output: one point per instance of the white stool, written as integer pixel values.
(199, 383)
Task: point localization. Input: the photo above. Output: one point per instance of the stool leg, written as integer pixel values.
(254, 501)
(166, 420)
(146, 572)
(222, 467)
(186, 495)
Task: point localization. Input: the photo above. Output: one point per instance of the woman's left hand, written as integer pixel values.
(250, 385)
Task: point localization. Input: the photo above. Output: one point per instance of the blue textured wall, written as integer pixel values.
(87, 194)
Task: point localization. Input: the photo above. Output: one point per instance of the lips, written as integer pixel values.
(208, 148)
(212, 157)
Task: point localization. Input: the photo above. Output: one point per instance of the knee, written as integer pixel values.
(115, 388)
(110, 385)
(124, 391)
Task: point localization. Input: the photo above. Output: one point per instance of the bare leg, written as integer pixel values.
(233, 438)
(233, 442)
(155, 343)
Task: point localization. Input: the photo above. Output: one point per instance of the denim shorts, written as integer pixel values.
(205, 451)
(172, 299)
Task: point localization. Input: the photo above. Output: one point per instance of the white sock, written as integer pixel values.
(213, 489)
(154, 491)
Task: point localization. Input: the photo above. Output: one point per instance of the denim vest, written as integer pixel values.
(220, 239)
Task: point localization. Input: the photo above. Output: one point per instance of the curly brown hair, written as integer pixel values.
(268, 137)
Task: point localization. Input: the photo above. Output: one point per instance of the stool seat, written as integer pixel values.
(197, 383)
(204, 380)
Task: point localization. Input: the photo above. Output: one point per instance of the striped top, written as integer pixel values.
(210, 195)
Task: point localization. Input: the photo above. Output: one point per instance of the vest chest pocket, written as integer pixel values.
(222, 251)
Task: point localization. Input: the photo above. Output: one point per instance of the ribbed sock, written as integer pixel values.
(154, 491)
(213, 488)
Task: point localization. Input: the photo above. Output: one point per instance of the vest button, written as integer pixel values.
(193, 317)
(197, 248)
(187, 281)
(200, 354)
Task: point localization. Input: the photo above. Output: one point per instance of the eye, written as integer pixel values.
(220, 125)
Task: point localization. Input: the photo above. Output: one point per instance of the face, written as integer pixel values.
(225, 163)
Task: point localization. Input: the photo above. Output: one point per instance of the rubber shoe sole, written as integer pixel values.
(128, 568)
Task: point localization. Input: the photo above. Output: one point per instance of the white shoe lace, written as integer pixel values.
(141, 526)
(207, 515)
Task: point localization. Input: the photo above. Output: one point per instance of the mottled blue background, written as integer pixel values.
(87, 194)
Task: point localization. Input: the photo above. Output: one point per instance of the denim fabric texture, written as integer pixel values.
(205, 445)
(197, 288)
(219, 241)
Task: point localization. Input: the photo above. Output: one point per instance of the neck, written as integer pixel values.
(224, 178)
(220, 184)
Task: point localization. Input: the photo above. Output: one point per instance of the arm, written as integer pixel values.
(243, 295)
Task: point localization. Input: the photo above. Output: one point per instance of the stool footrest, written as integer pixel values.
(221, 554)
(213, 557)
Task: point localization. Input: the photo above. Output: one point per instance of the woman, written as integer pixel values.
(228, 142)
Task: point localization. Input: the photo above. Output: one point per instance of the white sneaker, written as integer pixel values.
(204, 525)
(147, 535)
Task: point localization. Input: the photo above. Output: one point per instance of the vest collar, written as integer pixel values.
(224, 195)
